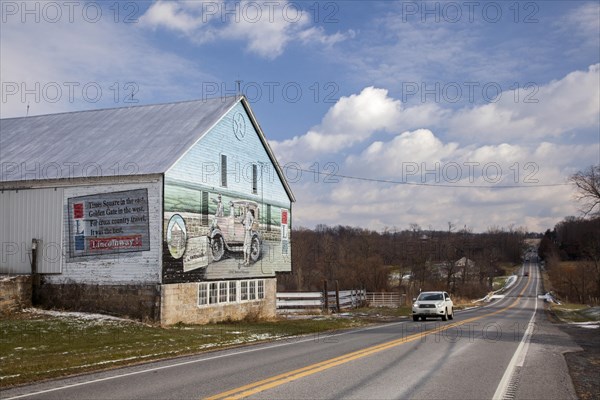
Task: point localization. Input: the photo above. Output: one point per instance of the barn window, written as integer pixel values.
(261, 289)
(212, 293)
(222, 292)
(223, 170)
(202, 294)
(243, 290)
(226, 292)
(232, 291)
(254, 179)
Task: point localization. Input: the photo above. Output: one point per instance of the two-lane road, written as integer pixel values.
(500, 350)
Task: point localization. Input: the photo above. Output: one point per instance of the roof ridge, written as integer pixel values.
(126, 107)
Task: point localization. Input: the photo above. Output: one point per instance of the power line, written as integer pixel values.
(444, 185)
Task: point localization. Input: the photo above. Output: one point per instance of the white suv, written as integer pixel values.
(433, 304)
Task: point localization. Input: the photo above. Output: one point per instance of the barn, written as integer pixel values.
(171, 213)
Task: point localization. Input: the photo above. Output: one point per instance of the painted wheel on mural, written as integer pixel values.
(255, 249)
(217, 247)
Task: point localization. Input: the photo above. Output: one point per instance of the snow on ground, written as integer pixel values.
(588, 325)
(592, 313)
(76, 315)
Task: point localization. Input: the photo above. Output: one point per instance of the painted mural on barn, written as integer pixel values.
(226, 211)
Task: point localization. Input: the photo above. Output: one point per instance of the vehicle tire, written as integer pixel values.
(445, 316)
(217, 247)
(255, 249)
(423, 318)
(415, 318)
(451, 316)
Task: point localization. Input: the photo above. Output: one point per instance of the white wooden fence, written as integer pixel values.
(288, 302)
(385, 299)
(315, 301)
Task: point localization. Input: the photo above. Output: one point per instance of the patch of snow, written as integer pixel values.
(592, 312)
(509, 282)
(548, 298)
(9, 376)
(588, 325)
(76, 315)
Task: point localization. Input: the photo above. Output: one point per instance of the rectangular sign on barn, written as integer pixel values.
(108, 223)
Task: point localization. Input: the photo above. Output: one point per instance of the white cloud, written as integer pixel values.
(391, 158)
(541, 111)
(267, 27)
(583, 22)
(351, 120)
(354, 119)
(502, 144)
(171, 15)
(55, 62)
(561, 107)
(318, 35)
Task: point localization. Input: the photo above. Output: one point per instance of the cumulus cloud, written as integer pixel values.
(467, 154)
(562, 107)
(354, 119)
(539, 111)
(171, 15)
(267, 27)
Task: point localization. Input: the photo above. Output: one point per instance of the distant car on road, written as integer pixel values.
(526, 273)
(433, 305)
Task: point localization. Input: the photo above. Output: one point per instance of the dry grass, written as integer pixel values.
(36, 346)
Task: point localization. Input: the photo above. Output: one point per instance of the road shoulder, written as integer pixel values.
(545, 372)
(584, 365)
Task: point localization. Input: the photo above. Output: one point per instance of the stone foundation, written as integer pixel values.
(179, 303)
(140, 302)
(15, 293)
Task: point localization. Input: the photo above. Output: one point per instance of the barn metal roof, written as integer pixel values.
(138, 140)
(135, 140)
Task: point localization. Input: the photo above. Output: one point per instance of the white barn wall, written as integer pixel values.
(25, 215)
(129, 268)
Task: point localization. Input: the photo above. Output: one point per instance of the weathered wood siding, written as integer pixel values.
(194, 182)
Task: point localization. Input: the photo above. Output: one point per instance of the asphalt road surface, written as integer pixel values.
(504, 350)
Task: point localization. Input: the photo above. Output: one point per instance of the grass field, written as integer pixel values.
(39, 346)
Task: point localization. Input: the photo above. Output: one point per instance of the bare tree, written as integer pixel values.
(588, 188)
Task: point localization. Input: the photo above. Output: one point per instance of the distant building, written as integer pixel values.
(138, 210)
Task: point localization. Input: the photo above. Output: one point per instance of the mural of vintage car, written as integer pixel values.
(227, 232)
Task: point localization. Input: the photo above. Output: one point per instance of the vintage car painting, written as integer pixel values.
(236, 231)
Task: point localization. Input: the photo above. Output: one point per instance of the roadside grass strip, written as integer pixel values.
(36, 346)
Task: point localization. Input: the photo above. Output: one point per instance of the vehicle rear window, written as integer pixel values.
(431, 296)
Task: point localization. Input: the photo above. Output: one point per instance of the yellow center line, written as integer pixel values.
(277, 380)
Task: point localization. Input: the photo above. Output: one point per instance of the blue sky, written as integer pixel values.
(461, 96)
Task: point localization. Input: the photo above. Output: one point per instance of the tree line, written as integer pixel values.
(459, 261)
(571, 252)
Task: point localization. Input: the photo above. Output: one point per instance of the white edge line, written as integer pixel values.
(212, 358)
(323, 334)
(518, 358)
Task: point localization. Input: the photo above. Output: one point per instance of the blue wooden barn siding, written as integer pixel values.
(201, 165)
(191, 189)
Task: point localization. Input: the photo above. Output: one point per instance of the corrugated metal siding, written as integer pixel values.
(28, 214)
